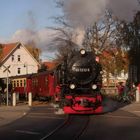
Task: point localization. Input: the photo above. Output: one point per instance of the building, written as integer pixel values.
(111, 60)
(16, 60)
(113, 80)
(50, 65)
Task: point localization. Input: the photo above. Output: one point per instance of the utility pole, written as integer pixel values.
(7, 82)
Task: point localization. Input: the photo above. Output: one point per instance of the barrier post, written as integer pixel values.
(137, 95)
(30, 99)
(14, 99)
(17, 96)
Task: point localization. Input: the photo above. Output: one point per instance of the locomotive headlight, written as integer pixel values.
(82, 52)
(94, 86)
(72, 86)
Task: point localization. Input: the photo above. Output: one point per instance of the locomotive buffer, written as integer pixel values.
(7, 81)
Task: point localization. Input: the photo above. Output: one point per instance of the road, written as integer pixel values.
(118, 125)
(41, 122)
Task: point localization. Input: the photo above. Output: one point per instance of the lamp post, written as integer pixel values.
(115, 70)
(115, 74)
(26, 66)
(27, 72)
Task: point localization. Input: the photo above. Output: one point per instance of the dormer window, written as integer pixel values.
(18, 57)
(12, 57)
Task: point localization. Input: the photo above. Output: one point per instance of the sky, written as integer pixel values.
(22, 14)
(22, 18)
(27, 20)
(37, 14)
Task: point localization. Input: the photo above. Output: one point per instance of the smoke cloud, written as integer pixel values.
(31, 20)
(2, 40)
(84, 12)
(124, 9)
(41, 38)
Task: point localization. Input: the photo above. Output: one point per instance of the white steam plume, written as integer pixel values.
(41, 38)
(83, 12)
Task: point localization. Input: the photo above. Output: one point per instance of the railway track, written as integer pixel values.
(72, 129)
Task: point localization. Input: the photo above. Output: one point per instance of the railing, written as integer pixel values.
(109, 91)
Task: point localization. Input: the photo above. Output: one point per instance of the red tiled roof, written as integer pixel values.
(7, 48)
(50, 65)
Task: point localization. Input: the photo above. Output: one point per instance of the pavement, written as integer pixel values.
(110, 105)
(133, 108)
(9, 114)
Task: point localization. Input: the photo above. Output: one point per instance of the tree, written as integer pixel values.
(64, 40)
(33, 50)
(103, 38)
(1, 48)
(103, 34)
(130, 34)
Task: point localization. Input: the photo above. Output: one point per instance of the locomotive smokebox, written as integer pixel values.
(82, 68)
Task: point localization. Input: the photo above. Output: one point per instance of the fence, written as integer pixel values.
(109, 91)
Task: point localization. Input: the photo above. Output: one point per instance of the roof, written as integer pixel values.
(50, 65)
(7, 49)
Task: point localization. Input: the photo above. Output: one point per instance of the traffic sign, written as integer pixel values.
(7, 69)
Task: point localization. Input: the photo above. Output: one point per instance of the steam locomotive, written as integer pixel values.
(80, 80)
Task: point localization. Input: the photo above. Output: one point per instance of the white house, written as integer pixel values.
(16, 60)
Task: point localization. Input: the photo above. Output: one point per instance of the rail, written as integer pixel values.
(74, 127)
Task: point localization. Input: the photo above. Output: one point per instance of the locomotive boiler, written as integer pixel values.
(80, 80)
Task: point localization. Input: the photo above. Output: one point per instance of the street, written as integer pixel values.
(41, 121)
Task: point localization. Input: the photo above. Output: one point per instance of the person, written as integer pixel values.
(129, 91)
(57, 93)
(126, 91)
(120, 88)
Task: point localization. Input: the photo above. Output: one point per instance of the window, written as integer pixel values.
(14, 83)
(18, 57)
(12, 57)
(17, 83)
(36, 82)
(20, 83)
(24, 82)
(19, 70)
